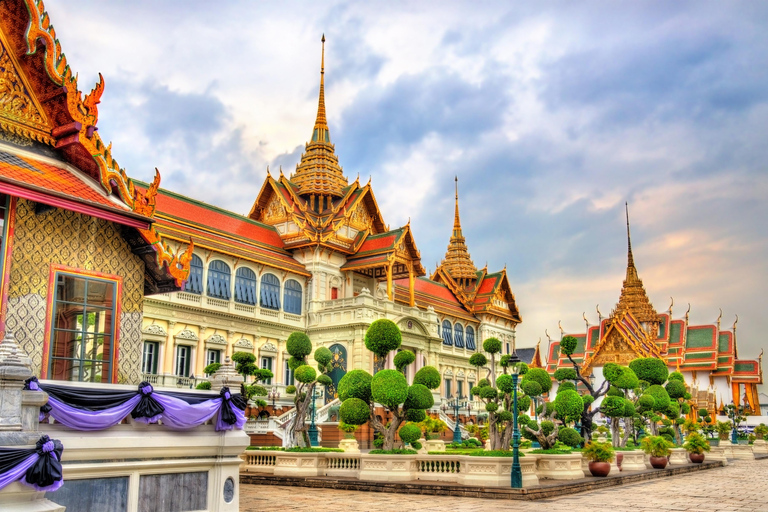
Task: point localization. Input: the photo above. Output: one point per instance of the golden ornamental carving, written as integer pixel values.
(275, 211)
(360, 219)
(144, 202)
(20, 115)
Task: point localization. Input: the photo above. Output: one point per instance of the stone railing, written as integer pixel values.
(459, 469)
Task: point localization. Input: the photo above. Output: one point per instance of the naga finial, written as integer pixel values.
(559, 326)
(689, 310)
(599, 314)
(672, 303)
(547, 335)
(584, 316)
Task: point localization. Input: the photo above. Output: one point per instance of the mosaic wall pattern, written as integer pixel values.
(78, 241)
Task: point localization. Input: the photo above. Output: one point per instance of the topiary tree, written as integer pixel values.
(360, 391)
(651, 370)
(410, 434)
(245, 365)
(307, 378)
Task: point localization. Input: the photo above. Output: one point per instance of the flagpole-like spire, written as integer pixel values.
(631, 270)
(320, 132)
(456, 221)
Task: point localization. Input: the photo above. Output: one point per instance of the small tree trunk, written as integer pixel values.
(615, 432)
(629, 426)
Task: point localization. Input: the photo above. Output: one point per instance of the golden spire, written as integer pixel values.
(457, 261)
(633, 296)
(319, 172)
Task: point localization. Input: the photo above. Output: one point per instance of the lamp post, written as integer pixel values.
(312, 426)
(273, 395)
(456, 405)
(516, 476)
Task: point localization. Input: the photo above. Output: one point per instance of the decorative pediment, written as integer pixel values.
(217, 339)
(460, 373)
(244, 343)
(268, 347)
(275, 211)
(186, 334)
(154, 330)
(448, 373)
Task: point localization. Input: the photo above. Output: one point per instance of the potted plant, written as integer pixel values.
(761, 431)
(723, 429)
(600, 456)
(659, 449)
(696, 445)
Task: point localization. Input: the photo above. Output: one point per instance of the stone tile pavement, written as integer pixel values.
(742, 486)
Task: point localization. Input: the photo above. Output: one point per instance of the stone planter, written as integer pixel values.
(714, 442)
(387, 468)
(633, 461)
(496, 471)
(742, 452)
(600, 469)
(717, 453)
(679, 456)
(760, 447)
(435, 445)
(349, 445)
(559, 467)
(658, 462)
(300, 464)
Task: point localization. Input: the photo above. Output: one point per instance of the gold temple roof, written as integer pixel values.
(633, 297)
(457, 261)
(319, 172)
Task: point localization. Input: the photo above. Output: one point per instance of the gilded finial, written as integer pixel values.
(599, 314)
(281, 170)
(584, 316)
(559, 326)
(735, 322)
(672, 303)
(631, 272)
(689, 310)
(547, 335)
(268, 173)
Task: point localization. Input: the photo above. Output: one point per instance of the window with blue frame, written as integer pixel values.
(292, 297)
(447, 333)
(194, 283)
(470, 338)
(245, 286)
(458, 335)
(270, 292)
(219, 280)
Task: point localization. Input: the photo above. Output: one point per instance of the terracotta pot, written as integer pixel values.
(619, 458)
(599, 468)
(659, 462)
(697, 458)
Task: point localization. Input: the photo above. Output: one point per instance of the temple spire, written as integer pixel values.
(458, 262)
(633, 296)
(456, 220)
(320, 132)
(631, 270)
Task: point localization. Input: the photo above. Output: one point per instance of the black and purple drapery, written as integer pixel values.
(38, 467)
(98, 409)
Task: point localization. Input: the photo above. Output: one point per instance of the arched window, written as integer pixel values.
(194, 283)
(292, 297)
(470, 338)
(458, 335)
(447, 332)
(245, 286)
(219, 280)
(270, 292)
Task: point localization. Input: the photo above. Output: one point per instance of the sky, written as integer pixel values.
(551, 114)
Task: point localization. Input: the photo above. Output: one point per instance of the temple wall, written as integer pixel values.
(78, 241)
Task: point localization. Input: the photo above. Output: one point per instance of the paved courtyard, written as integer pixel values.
(739, 487)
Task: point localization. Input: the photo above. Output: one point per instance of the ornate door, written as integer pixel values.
(339, 365)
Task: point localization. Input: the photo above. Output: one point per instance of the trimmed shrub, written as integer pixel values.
(415, 415)
(389, 387)
(382, 337)
(323, 356)
(675, 389)
(492, 407)
(587, 399)
(488, 393)
(562, 374)
(568, 345)
(539, 376)
(354, 411)
(614, 391)
(298, 345)
(478, 359)
(531, 388)
(294, 362)
(566, 386)
(409, 433)
(492, 345)
(324, 379)
(660, 397)
(612, 371)
(403, 359)
(676, 376)
(419, 397)
(523, 402)
(305, 374)
(629, 408)
(205, 386)
(355, 384)
(243, 357)
(569, 436)
(291, 389)
(505, 416)
(702, 412)
(627, 379)
(613, 406)
(428, 376)
(569, 405)
(650, 369)
(505, 383)
(211, 368)
(645, 403)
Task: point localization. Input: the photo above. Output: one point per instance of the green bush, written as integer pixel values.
(614, 391)
(205, 386)
(568, 345)
(627, 379)
(354, 411)
(598, 452)
(675, 389)
(428, 376)
(492, 345)
(389, 388)
(491, 407)
(539, 376)
(629, 408)
(569, 405)
(587, 399)
(415, 415)
(650, 369)
(612, 371)
(660, 398)
(523, 402)
(396, 451)
(419, 397)
(294, 363)
(505, 416)
(656, 446)
(298, 345)
(305, 374)
(488, 393)
(531, 388)
(478, 359)
(211, 368)
(696, 443)
(505, 383)
(324, 379)
(409, 433)
(378, 442)
(553, 451)
(313, 449)
(566, 386)
(569, 436)
(356, 384)
(382, 337)
(676, 376)
(291, 389)
(613, 406)
(403, 359)
(562, 374)
(323, 357)
(646, 403)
